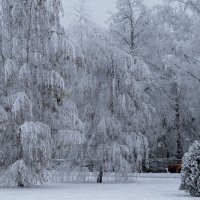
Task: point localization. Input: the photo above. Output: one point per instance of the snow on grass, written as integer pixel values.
(143, 189)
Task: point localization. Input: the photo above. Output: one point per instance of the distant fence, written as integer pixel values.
(91, 177)
(159, 175)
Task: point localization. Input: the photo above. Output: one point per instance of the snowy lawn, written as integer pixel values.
(144, 189)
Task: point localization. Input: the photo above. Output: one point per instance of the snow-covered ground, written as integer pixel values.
(143, 189)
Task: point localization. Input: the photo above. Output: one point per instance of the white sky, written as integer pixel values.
(98, 8)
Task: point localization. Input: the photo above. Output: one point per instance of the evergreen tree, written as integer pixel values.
(191, 170)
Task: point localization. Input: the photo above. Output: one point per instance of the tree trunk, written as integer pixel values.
(19, 180)
(178, 140)
(100, 176)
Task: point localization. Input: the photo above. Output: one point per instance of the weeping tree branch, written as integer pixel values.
(188, 72)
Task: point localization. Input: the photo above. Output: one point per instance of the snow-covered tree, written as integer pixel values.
(34, 57)
(172, 53)
(191, 170)
(129, 24)
(108, 100)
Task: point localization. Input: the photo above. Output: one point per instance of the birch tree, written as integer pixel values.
(34, 50)
(129, 25)
(108, 104)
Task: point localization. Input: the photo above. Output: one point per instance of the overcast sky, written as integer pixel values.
(98, 8)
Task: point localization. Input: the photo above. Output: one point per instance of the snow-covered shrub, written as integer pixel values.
(34, 155)
(18, 174)
(191, 170)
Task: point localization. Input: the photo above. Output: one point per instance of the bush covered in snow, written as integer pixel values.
(191, 170)
(33, 156)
